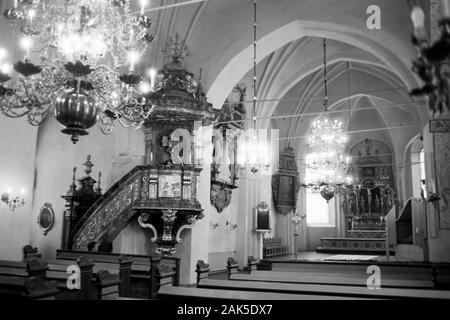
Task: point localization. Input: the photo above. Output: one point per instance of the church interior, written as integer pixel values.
(225, 149)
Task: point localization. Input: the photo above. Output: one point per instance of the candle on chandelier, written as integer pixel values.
(445, 8)
(145, 88)
(6, 68)
(418, 19)
(3, 54)
(15, 3)
(133, 58)
(143, 4)
(152, 75)
(31, 14)
(26, 43)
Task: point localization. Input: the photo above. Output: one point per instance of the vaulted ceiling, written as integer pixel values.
(290, 32)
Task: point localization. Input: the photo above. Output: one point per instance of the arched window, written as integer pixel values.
(417, 168)
(422, 173)
(319, 212)
(422, 165)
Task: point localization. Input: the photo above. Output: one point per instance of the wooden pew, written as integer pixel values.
(202, 269)
(32, 285)
(437, 273)
(104, 280)
(107, 273)
(232, 266)
(196, 294)
(148, 273)
(328, 279)
(314, 289)
(251, 263)
(98, 285)
(273, 247)
(30, 253)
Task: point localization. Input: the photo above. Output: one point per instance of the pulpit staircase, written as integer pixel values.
(139, 193)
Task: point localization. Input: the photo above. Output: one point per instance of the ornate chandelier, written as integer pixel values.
(88, 50)
(255, 146)
(327, 163)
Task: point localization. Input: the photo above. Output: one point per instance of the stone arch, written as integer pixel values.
(241, 63)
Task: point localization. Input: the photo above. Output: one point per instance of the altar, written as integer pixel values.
(365, 204)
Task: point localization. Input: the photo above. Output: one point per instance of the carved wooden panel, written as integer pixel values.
(442, 156)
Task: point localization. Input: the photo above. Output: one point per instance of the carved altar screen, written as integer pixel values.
(366, 203)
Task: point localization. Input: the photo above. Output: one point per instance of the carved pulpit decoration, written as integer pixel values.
(286, 183)
(224, 169)
(172, 152)
(440, 128)
(79, 200)
(163, 193)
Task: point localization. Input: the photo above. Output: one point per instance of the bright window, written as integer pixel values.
(422, 165)
(318, 211)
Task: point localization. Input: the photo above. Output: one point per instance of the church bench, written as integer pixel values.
(32, 288)
(273, 247)
(314, 289)
(437, 273)
(30, 253)
(100, 284)
(148, 273)
(251, 263)
(327, 279)
(197, 294)
(111, 272)
(105, 280)
(29, 282)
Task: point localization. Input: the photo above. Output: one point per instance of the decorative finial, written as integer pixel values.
(176, 49)
(88, 164)
(74, 179)
(99, 189)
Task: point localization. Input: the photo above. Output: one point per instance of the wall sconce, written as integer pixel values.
(13, 202)
(213, 226)
(430, 194)
(231, 226)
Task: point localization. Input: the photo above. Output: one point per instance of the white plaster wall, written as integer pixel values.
(55, 158)
(222, 240)
(17, 155)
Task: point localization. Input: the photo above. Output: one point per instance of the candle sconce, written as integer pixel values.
(431, 194)
(213, 226)
(13, 202)
(231, 226)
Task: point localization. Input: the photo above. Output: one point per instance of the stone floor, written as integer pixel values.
(315, 256)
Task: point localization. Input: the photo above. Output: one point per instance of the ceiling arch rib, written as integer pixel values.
(274, 69)
(241, 63)
(401, 106)
(315, 90)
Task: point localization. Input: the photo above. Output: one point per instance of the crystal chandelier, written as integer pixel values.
(85, 74)
(255, 147)
(327, 163)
